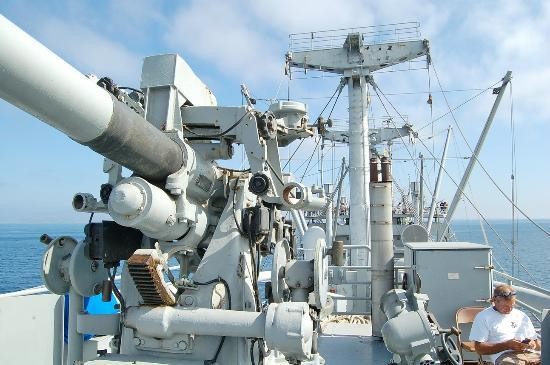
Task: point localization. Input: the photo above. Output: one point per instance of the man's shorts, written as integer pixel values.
(518, 358)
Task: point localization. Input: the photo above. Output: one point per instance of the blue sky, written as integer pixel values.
(232, 42)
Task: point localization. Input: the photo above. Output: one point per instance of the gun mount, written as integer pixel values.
(178, 203)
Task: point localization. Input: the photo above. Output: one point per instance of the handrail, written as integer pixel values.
(522, 282)
(377, 34)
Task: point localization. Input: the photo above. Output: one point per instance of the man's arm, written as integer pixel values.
(488, 348)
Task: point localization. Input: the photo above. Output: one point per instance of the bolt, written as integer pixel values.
(188, 300)
(182, 345)
(137, 341)
(93, 266)
(171, 220)
(60, 242)
(98, 288)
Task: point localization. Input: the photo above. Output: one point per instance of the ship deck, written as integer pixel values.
(344, 343)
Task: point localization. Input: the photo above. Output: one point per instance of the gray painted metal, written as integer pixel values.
(452, 274)
(98, 324)
(32, 329)
(75, 348)
(353, 349)
(381, 249)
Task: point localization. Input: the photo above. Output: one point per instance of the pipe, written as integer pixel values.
(385, 168)
(438, 182)
(329, 216)
(374, 174)
(75, 350)
(382, 272)
(39, 82)
(477, 150)
(165, 322)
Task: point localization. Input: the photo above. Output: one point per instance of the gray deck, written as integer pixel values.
(356, 346)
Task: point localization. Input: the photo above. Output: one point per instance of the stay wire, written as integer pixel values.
(459, 105)
(317, 164)
(310, 158)
(485, 170)
(468, 199)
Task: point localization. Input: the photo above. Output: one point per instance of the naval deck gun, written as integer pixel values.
(178, 203)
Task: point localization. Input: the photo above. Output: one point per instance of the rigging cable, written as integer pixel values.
(485, 170)
(466, 197)
(309, 159)
(339, 91)
(513, 175)
(315, 165)
(459, 105)
(388, 94)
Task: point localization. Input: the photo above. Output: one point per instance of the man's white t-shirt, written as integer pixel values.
(494, 327)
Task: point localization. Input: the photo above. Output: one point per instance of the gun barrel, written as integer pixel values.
(39, 82)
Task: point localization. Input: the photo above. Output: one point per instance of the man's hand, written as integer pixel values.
(516, 345)
(488, 348)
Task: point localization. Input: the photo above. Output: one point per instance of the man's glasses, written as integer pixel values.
(506, 294)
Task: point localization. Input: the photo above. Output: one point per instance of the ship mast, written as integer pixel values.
(355, 61)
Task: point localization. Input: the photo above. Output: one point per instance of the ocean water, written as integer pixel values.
(21, 251)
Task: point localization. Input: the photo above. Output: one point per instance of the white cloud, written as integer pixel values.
(89, 51)
(226, 36)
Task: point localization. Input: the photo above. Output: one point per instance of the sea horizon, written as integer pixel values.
(22, 251)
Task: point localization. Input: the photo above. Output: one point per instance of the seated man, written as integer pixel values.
(504, 332)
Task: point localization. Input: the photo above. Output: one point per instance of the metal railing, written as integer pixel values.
(377, 34)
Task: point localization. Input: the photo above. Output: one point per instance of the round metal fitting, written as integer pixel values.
(259, 184)
(188, 300)
(55, 264)
(281, 255)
